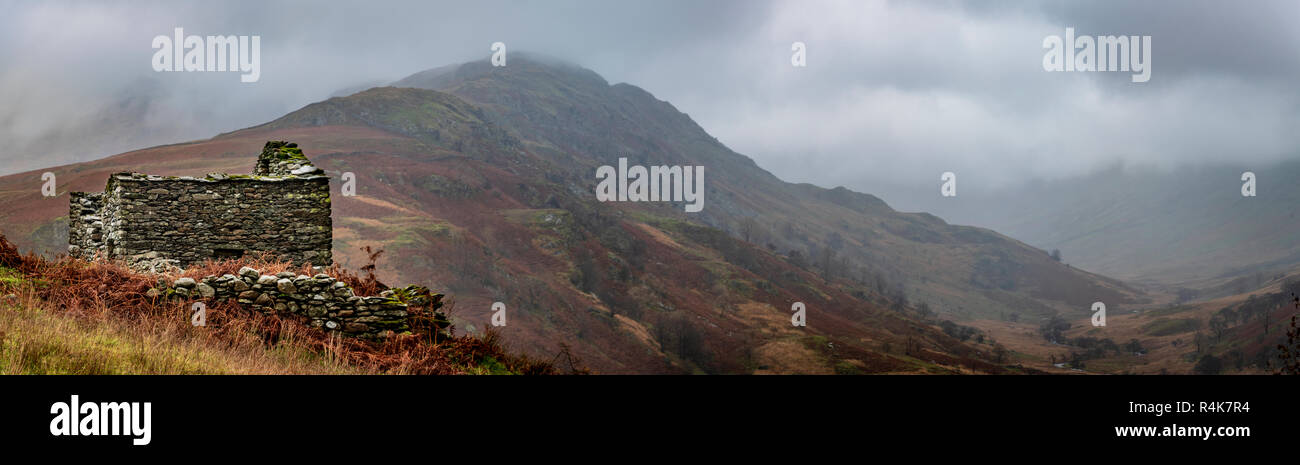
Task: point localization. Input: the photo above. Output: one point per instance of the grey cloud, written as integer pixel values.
(894, 93)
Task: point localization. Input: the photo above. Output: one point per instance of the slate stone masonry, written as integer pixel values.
(149, 222)
(324, 301)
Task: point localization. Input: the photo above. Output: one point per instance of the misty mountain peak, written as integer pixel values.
(520, 65)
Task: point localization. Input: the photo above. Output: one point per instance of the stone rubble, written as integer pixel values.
(324, 301)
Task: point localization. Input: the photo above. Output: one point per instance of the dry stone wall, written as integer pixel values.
(324, 301)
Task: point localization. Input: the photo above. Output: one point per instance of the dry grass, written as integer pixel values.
(38, 341)
(790, 356)
(74, 316)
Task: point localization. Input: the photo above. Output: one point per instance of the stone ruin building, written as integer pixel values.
(155, 222)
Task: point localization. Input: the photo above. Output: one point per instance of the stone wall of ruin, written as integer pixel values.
(325, 302)
(182, 220)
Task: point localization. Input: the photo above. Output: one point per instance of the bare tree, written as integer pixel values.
(1289, 354)
(1218, 325)
(913, 347)
(999, 353)
(924, 310)
(826, 259)
(748, 229)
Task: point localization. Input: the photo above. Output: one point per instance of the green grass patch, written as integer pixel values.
(1165, 311)
(11, 278)
(1171, 326)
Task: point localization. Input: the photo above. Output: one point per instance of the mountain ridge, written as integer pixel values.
(484, 188)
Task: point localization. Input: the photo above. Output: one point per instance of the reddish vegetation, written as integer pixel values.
(266, 264)
(482, 251)
(633, 289)
(106, 289)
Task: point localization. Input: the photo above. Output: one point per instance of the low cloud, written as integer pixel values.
(894, 92)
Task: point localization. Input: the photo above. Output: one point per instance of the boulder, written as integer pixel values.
(249, 273)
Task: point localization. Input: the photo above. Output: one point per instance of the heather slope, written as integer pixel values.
(482, 187)
(570, 114)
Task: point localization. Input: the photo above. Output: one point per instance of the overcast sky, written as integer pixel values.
(894, 93)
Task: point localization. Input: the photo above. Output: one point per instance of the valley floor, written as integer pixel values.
(1173, 336)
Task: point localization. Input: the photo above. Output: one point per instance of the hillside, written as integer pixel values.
(480, 182)
(571, 114)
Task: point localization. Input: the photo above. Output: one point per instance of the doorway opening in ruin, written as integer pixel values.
(227, 253)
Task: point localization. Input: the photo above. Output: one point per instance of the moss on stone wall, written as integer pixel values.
(326, 302)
